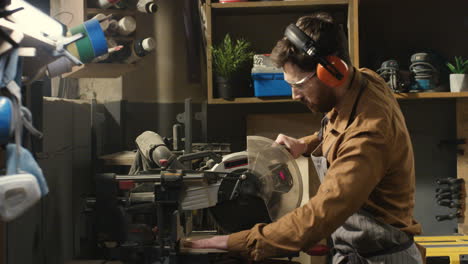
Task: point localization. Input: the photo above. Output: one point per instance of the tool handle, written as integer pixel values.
(444, 203)
(447, 217)
(449, 181)
(318, 250)
(451, 189)
(454, 204)
(441, 196)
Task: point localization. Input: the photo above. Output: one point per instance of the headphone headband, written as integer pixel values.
(300, 39)
(307, 45)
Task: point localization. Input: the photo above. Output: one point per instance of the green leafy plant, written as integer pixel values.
(461, 66)
(230, 56)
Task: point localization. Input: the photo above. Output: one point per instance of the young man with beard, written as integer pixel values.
(363, 156)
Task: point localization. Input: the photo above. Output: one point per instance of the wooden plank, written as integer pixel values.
(249, 100)
(93, 262)
(266, 4)
(400, 96)
(462, 160)
(119, 12)
(353, 31)
(100, 70)
(209, 58)
(429, 95)
(295, 125)
(124, 158)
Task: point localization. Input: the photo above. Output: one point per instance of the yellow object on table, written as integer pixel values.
(445, 249)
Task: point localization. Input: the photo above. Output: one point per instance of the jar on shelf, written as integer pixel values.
(126, 25)
(106, 3)
(147, 6)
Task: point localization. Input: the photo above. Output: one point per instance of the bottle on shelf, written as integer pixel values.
(147, 6)
(106, 3)
(140, 48)
(122, 4)
(133, 51)
(126, 25)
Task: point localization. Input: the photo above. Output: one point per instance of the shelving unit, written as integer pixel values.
(404, 96)
(81, 12)
(273, 16)
(399, 96)
(99, 70)
(122, 12)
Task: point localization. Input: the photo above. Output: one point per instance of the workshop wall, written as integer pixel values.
(394, 29)
(397, 29)
(164, 77)
(151, 97)
(388, 29)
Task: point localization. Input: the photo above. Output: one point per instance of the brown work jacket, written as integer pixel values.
(371, 166)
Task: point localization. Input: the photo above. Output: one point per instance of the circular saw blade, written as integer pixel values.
(246, 210)
(278, 174)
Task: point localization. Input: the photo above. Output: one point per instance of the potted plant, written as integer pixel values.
(230, 59)
(459, 75)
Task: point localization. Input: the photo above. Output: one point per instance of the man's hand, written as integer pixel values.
(216, 242)
(295, 146)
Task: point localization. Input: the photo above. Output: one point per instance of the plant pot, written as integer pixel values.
(225, 87)
(458, 82)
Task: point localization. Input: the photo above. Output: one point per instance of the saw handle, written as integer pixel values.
(318, 250)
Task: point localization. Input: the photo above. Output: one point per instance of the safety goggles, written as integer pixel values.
(300, 84)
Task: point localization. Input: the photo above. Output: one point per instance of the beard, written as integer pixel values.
(326, 104)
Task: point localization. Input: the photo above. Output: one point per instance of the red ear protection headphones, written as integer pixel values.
(331, 70)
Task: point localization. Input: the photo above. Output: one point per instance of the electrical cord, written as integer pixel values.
(423, 70)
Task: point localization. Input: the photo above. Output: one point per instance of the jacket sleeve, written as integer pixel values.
(359, 165)
(312, 142)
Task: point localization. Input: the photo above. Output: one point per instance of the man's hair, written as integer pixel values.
(328, 36)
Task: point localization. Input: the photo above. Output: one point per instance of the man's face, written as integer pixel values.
(307, 88)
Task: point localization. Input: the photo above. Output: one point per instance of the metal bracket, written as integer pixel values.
(187, 119)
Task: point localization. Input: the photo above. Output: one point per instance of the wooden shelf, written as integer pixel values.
(100, 70)
(119, 12)
(124, 158)
(222, 15)
(429, 95)
(399, 96)
(251, 100)
(267, 4)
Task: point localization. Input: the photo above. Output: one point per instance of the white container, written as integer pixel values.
(147, 6)
(17, 193)
(458, 82)
(141, 48)
(127, 25)
(107, 3)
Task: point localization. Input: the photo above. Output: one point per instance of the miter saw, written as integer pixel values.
(143, 218)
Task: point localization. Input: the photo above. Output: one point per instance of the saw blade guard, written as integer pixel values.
(278, 175)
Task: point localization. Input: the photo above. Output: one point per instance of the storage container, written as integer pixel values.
(267, 79)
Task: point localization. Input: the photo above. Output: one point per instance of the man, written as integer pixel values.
(363, 155)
